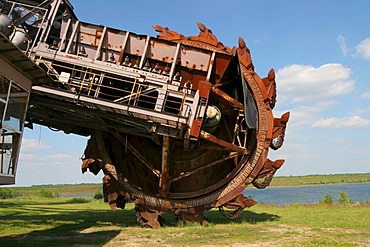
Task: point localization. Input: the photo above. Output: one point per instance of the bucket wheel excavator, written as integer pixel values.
(177, 124)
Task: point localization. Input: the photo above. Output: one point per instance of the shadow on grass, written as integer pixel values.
(246, 216)
(59, 225)
(50, 238)
(215, 217)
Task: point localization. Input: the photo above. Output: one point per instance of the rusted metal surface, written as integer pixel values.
(178, 124)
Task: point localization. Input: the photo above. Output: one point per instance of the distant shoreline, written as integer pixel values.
(328, 179)
(278, 181)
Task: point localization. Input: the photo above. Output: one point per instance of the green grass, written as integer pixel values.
(60, 189)
(88, 222)
(42, 217)
(356, 178)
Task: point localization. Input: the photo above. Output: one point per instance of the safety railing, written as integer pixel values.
(128, 91)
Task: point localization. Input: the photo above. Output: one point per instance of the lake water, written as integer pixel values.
(308, 194)
(297, 194)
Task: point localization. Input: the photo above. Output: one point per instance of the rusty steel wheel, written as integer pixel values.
(163, 174)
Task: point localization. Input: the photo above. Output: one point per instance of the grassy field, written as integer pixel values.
(42, 217)
(59, 189)
(88, 222)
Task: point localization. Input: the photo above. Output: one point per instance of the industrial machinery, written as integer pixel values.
(177, 124)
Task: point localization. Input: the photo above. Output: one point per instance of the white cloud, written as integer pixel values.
(338, 141)
(61, 158)
(57, 168)
(33, 161)
(363, 49)
(33, 144)
(305, 83)
(365, 95)
(362, 111)
(306, 115)
(28, 157)
(346, 122)
(342, 45)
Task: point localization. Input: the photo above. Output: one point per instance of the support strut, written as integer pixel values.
(163, 181)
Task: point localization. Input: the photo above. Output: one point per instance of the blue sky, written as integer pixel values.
(320, 50)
